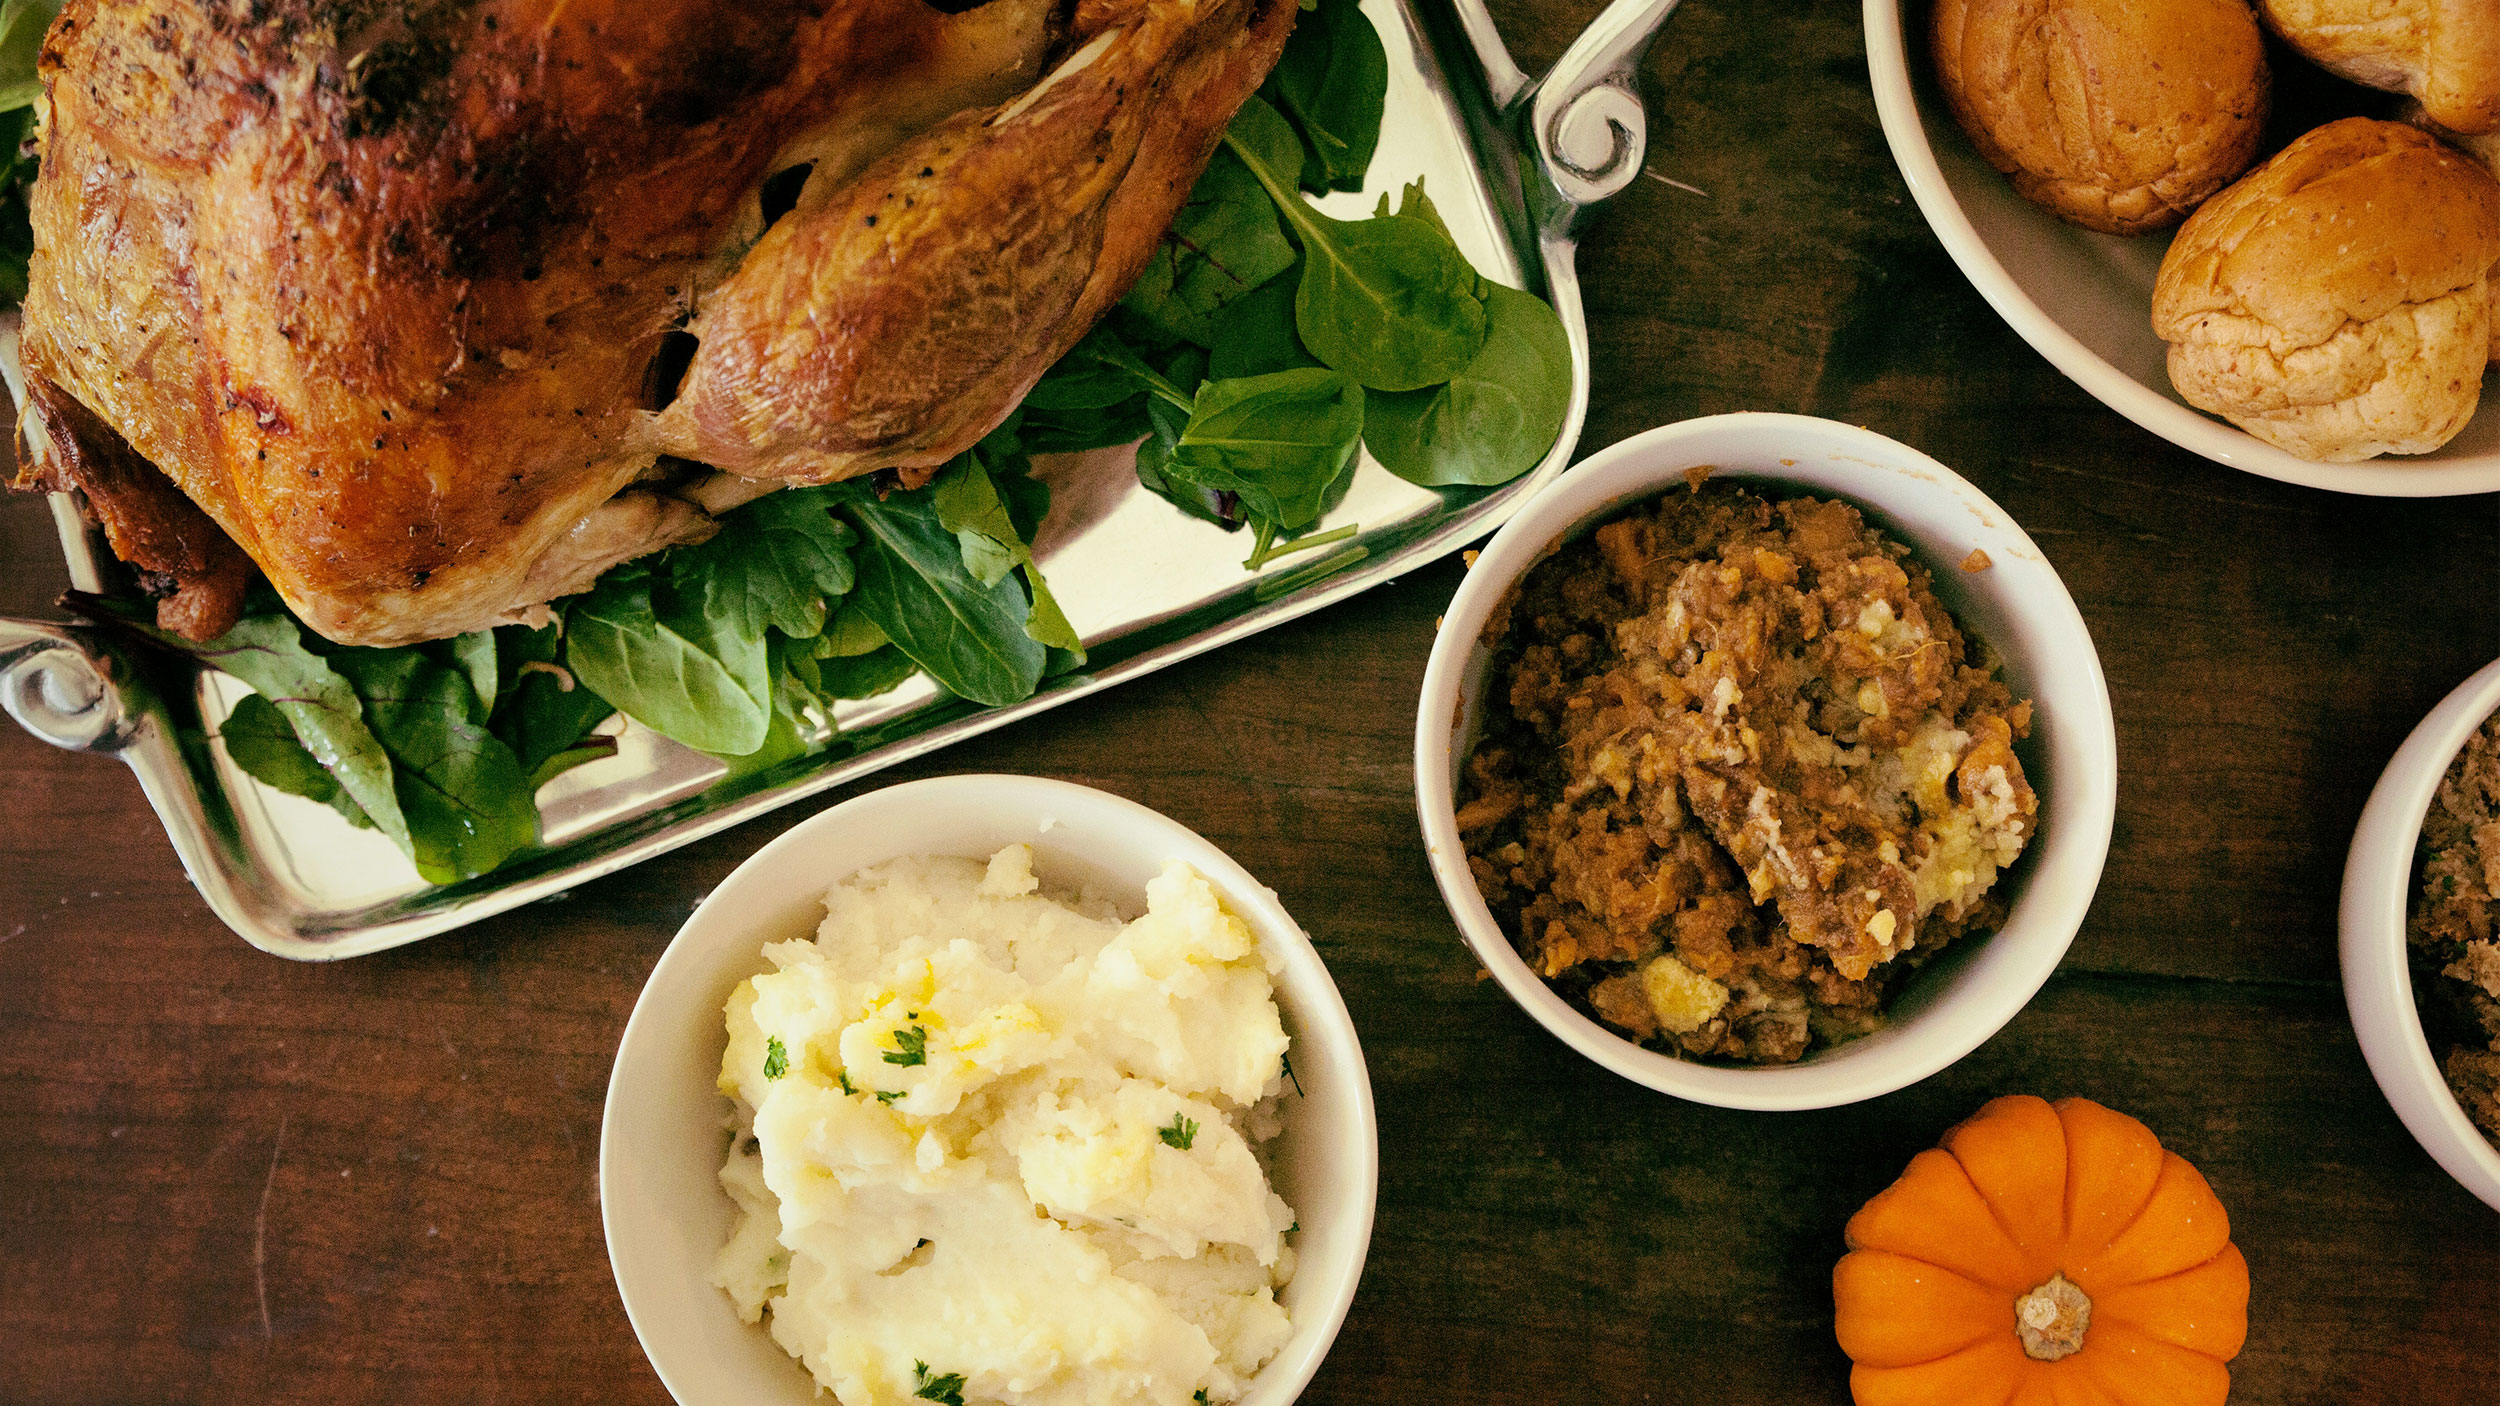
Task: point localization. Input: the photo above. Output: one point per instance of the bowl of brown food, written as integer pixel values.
(1766, 762)
(2421, 933)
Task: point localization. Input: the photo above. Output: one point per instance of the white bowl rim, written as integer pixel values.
(1888, 65)
(1630, 471)
(1256, 903)
(2376, 901)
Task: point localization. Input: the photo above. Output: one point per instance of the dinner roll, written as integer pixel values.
(2482, 146)
(2119, 115)
(2444, 52)
(2337, 303)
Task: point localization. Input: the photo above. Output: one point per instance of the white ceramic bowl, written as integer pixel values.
(2378, 982)
(2017, 605)
(2085, 300)
(661, 1144)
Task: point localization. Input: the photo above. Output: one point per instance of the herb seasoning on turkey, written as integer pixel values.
(1741, 774)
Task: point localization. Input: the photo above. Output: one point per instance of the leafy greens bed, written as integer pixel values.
(1266, 345)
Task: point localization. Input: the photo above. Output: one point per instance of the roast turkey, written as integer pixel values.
(433, 310)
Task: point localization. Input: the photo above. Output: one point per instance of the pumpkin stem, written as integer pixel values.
(2050, 1320)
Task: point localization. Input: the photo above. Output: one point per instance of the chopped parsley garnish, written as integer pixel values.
(948, 1389)
(911, 1047)
(1181, 1134)
(1200, 1396)
(843, 1077)
(888, 1095)
(776, 1058)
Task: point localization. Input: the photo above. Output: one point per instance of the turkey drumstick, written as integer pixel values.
(893, 322)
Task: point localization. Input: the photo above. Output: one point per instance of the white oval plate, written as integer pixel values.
(2026, 262)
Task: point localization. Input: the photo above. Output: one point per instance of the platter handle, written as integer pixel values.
(1582, 122)
(1585, 115)
(58, 683)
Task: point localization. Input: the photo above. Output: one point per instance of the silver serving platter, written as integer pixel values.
(1512, 163)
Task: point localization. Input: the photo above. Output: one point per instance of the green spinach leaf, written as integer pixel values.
(467, 801)
(1497, 418)
(1413, 204)
(1277, 441)
(670, 669)
(849, 634)
(1081, 380)
(1106, 350)
(774, 562)
(1255, 335)
(1224, 242)
(1332, 82)
(1154, 458)
(1026, 498)
(22, 26)
(1388, 301)
(262, 742)
(1075, 431)
(969, 503)
(802, 722)
(864, 675)
(912, 582)
(1049, 624)
(590, 747)
(267, 651)
(545, 715)
(475, 657)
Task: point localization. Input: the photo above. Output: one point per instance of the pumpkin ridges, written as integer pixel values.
(1983, 1374)
(2035, 1390)
(2138, 1369)
(1933, 1213)
(2182, 1226)
(2202, 1309)
(2070, 1384)
(2112, 1165)
(2139, 1296)
(1911, 1311)
(2006, 1150)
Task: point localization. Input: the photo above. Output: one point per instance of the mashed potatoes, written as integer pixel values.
(995, 1145)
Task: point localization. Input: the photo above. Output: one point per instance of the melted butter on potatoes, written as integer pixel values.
(984, 1131)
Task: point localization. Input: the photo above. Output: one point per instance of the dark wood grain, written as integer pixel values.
(225, 1178)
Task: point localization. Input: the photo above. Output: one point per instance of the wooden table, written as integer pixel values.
(225, 1178)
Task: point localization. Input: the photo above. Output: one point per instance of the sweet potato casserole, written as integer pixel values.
(2455, 933)
(1740, 774)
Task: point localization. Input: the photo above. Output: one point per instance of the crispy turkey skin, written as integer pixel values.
(382, 289)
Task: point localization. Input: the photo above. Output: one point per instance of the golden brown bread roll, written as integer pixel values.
(2119, 115)
(2482, 146)
(2337, 303)
(2444, 52)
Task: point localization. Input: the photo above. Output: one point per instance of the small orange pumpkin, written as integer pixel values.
(2046, 1255)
